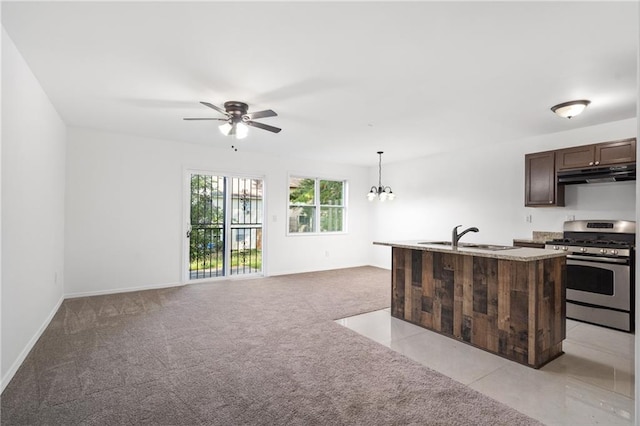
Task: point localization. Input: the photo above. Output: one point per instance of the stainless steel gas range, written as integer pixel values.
(600, 271)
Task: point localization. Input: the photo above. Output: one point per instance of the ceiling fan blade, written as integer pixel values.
(217, 108)
(262, 126)
(261, 114)
(221, 119)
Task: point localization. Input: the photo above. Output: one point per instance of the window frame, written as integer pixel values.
(316, 204)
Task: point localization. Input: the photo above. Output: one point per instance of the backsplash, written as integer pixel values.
(543, 236)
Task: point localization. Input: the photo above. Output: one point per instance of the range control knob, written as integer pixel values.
(614, 252)
(555, 247)
(603, 251)
(583, 249)
(565, 248)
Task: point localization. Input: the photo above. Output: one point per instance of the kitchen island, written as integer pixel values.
(508, 301)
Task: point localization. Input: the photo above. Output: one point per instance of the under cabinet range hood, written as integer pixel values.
(598, 175)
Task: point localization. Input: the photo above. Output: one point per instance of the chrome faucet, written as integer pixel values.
(455, 237)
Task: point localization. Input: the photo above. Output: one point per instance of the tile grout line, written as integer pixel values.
(486, 375)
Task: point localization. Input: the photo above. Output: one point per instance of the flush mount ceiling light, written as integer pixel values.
(570, 109)
(382, 193)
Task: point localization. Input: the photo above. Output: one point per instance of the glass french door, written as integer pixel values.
(224, 231)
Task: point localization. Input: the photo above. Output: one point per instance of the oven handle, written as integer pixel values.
(598, 259)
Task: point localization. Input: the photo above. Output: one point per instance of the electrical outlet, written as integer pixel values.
(528, 218)
(571, 217)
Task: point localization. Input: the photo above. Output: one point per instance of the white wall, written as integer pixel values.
(484, 187)
(33, 164)
(124, 211)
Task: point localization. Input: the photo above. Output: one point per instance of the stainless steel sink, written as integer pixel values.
(490, 247)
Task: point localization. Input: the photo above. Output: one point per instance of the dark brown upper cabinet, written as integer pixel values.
(575, 158)
(541, 180)
(617, 152)
(541, 189)
(601, 154)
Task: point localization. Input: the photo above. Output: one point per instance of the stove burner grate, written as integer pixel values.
(590, 243)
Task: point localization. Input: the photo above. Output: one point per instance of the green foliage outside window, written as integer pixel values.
(331, 193)
(302, 191)
(206, 216)
(304, 207)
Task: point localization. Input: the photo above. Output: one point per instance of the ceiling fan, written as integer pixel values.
(238, 118)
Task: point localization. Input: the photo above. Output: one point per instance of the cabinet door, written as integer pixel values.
(617, 152)
(541, 188)
(575, 158)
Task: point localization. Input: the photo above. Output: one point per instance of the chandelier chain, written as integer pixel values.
(380, 170)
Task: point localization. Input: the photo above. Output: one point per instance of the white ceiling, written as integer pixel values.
(347, 79)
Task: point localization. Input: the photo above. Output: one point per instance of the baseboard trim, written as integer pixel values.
(306, 271)
(23, 355)
(122, 290)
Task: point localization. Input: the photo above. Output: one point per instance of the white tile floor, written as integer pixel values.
(592, 383)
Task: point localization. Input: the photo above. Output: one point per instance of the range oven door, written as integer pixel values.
(602, 282)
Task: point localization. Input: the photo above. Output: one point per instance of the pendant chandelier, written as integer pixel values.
(382, 193)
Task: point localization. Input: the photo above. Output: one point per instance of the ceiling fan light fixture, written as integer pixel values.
(225, 128)
(239, 119)
(237, 130)
(571, 108)
(242, 130)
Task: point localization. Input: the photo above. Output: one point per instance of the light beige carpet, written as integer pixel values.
(249, 352)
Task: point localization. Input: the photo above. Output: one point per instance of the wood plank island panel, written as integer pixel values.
(515, 309)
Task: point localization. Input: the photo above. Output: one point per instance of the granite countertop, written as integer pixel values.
(519, 254)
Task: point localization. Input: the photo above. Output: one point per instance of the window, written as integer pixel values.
(316, 205)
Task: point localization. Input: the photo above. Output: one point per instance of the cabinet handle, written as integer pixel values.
(597, 162)
(591, 163)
